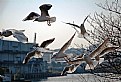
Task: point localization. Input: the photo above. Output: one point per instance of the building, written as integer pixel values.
(12, 54)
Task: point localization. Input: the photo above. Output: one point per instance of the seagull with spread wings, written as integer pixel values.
(105, 51)
(18, 34)
(61, 53)
(83, 31)
(69, 69)
(44, 15)
(38, 51)
(88, 57)
(73, 65)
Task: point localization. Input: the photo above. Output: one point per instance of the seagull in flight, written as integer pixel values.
(38, 51)
(61, 53)
(69, 69)
(88, 58)
(97, 53)
(73, 65)
(18, 34)
(44, 15)
(83, 32)
(105, 51)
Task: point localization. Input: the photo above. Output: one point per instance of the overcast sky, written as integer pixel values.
(12, 12)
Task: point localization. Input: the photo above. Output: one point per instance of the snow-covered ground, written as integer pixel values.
(80, 78)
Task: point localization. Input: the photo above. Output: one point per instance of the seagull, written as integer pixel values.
(38, 51)
(73, 65)
(88, 57)
(69, 69)
(61, 53)
(105, 51)
(81, 27)
(44, 15)
(97, 53)
(18, 34)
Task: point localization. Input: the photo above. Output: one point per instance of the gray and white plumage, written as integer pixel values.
(105, 51)
(88, 58)
(44, 15)
(18, 34)
(100, 48)
(73, 65)
(75, 61)
(38, 51)
(61, 53)
(69, 69)
(93, 58)
(81, 27)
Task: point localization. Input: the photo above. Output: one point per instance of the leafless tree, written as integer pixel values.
(108, 24)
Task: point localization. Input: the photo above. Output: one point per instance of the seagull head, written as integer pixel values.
(45, 6)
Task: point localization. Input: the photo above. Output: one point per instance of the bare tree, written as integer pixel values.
(108, 24)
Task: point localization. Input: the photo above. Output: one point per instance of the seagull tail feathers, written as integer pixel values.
(52, 19)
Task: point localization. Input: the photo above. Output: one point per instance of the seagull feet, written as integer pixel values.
(48, 23)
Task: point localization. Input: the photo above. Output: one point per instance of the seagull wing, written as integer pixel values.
(99, 49)
(85, 19)
(72, 24)
(44, 9)
(47, 42)
(79, 57)
(107, 50)
(21, 30)
(82, 27)
(29, 56)
(66, 45)
(31, 16)
(19, 35)
(64, 70)
(76, 30)
(42, 50)
(77, 61)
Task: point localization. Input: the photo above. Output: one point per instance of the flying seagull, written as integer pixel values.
(18, 34)
(69, 69)
(73, 65)
(105, 51)
(61, 53)
(38, 51)
(44, 15)
(81, 27)
(89, 58)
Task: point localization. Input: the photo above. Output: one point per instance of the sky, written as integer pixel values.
(12, 12)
